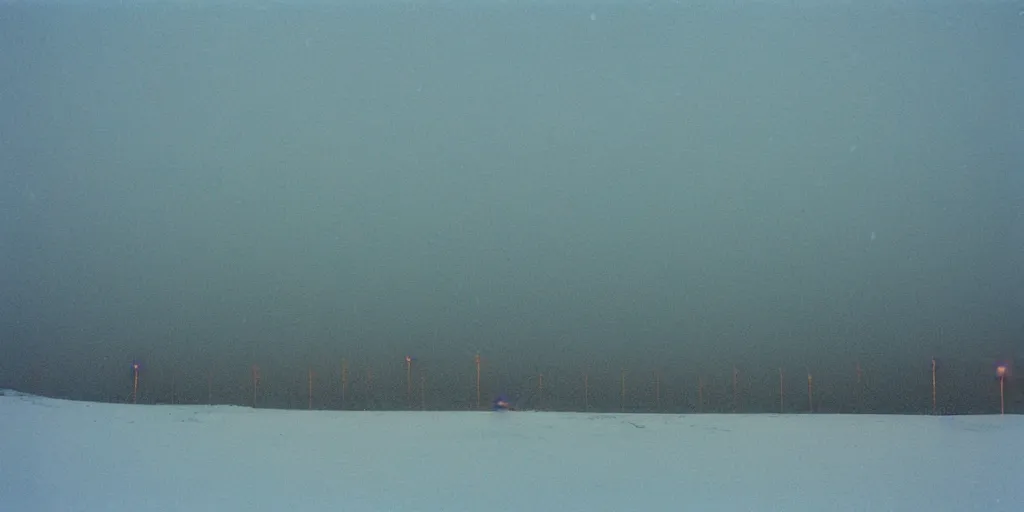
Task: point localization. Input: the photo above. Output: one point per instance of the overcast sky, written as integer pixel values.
(547, 184)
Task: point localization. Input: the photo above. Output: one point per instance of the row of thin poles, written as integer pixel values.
(1002, 371)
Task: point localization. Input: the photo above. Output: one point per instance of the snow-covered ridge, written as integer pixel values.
(65, 455)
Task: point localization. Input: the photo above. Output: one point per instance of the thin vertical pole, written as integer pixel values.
(934, 406)
(540, 389)
(782, 393)
(135, 383)
(810, 392)
(310, 392)
(657, 390)
(255, 383)
(1001, 373)
(735, 388)
(344, 381)
(700, 394)
(860, 391)
(369, 384)
(622, 391)
(586, 392)
(478, 403)
(1002, 403)
(408, 380)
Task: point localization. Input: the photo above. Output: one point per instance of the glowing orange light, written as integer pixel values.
(1001, 371)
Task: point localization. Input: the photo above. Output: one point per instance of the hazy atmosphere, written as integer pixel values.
(648, 195)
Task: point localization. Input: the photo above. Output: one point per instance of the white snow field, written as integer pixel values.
(58, 455)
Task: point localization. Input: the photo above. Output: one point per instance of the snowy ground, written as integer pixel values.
(69, 456)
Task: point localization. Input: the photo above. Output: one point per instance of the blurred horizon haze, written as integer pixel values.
(670, 187)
